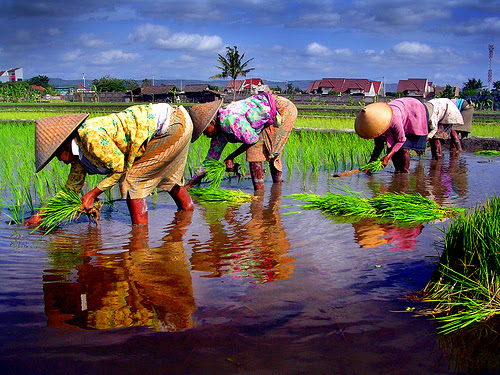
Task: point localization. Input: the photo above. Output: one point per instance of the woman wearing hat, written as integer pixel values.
(142, 148)
(262, 123)
(459, 131)
(444, 117)
(402, 124)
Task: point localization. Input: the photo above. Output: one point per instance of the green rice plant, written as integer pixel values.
(215, 170)
(210, 194)
(372, 167)
(63, 208)
(396, 207)
(336, 204)
(410, 208)
(465, 288)
(488, 152)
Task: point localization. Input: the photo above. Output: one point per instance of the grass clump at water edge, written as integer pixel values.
(465, 288)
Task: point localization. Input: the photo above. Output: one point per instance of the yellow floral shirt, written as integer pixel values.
(114, 142)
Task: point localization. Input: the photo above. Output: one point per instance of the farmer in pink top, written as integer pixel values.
(261, 123)
(402, 124)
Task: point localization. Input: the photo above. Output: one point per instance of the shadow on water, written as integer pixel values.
(242, 289)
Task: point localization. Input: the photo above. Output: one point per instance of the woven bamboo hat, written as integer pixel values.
(202, 115)
(373, 120)
(51, 133)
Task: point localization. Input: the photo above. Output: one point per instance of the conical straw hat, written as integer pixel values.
(373, 120)
(202, 115)
(51, 133)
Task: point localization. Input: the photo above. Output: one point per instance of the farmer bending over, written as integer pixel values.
(262, 123)
(444, 121)
(142, 148)
(402, 124)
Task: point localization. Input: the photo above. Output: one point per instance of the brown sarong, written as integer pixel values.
(273, 138)
(162, 165)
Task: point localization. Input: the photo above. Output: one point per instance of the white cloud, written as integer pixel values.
(53, 31)
(316, 49)
(90, 41)
(319, 19)
(184, 41)
(113, 14)
(487, 26)
(161, 37)
(113, 57)
(343, 52)
(72, 56)
(412, 48)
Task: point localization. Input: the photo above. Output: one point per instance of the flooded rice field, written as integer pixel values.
(241, 290)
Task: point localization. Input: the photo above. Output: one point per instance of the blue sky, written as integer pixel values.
(445, 41)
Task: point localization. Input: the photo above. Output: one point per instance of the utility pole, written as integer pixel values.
(491, 47)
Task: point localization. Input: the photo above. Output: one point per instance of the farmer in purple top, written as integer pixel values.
(262, 123)
(402, 124)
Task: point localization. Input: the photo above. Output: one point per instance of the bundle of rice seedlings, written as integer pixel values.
(372, 167)
(488, 152)
(465, 287)
(409, 208)
(397, 207)
(337, 204)
(63, 208)
(215, 170)
(210, 194)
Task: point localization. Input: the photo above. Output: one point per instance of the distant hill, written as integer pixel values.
(180, 83)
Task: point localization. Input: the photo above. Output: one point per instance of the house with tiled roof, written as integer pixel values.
(252, 85)
(347, 86)
(200, 93)
(11, 75)
(416, 87)
(159, 94)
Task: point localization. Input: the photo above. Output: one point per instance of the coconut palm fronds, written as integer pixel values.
(63, 208)
(210, 194)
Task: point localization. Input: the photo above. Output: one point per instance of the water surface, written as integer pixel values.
(240, 290)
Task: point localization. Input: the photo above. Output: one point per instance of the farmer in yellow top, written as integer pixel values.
(142, 148)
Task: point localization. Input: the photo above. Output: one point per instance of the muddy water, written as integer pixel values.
(239, 290)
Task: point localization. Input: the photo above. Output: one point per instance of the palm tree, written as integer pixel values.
(233, 66)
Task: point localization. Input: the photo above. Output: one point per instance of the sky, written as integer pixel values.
(445, 41)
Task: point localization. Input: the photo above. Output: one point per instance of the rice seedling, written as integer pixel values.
(465, 287)
(488, 152)
(215, 170)
(396, 207)
(372, 167)
(410, 208)
(210, 194)
(63, 208)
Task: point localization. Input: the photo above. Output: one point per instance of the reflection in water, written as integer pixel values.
(256, 249)
(370, 234)
(473, 351)
(140, 286)
(442, 184)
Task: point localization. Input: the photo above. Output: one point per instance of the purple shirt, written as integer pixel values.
(408, 116)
